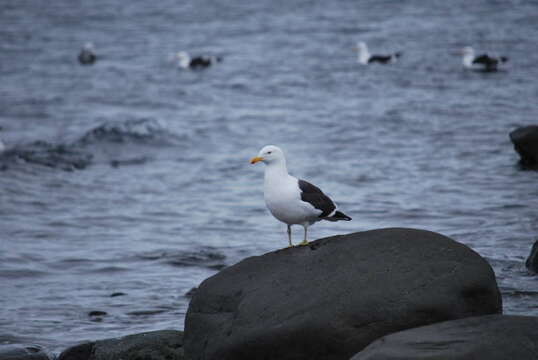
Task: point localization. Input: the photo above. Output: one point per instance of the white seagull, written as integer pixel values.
(364, 57)
(196, 62)
(291, 200)
(87, 54)
(482, 62)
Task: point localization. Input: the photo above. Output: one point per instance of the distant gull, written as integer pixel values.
(482, 62)
(197, 62)
(291, 200)
(364, 57)
(87, 55)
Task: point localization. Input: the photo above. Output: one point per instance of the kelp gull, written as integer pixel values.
(87, 55)
(482, 62)
(364, 57)
(291, 200)
(197, 62)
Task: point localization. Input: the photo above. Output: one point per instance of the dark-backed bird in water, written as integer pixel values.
(87, 55)
(364, 57)
(291, 200)
(185, 61)
(482, 62)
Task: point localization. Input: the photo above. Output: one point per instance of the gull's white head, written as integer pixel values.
(468, 56)
(183, 58)
(269, 154)
(362, 52)
(361, 46)
(88, 46)
(467, 50)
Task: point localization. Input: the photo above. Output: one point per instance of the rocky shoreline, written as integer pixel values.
(383, 294)
(525, 140)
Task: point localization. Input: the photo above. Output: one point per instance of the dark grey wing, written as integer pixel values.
(486, 60)
(86, 57)
(314, 196)
(200, 62)
(383, 59)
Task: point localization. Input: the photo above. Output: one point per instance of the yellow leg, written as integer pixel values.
(304, 242)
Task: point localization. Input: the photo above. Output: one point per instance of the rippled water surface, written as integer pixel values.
(126, 183)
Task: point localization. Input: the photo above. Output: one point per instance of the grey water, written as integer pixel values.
(127, 183)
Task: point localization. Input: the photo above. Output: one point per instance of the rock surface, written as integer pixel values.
(532, 261)
(494, 337)
(155, 345)
(525, 140)
(22, 352)
(331, 299)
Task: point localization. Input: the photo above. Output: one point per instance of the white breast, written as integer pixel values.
(283, 199)
(468, 60)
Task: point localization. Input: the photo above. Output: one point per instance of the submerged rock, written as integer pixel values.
(494, 337)
(22, 352)
(332, 298)
(155, 345)
(525, 140)
(97, 313)
(532, 260)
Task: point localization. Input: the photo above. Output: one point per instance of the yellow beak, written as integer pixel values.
(254, 160)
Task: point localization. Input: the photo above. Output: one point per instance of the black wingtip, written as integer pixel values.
(338, 215)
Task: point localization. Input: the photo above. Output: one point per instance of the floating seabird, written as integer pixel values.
(364, 57)
(291, 200)
(482, 62)
(197, 62)
(87, 55)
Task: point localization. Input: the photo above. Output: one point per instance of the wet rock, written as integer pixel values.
(22, 352)
(78, 352)
(191, 292)
(525, 140)
(532, 260)
(494, 337)
(97, 316)
(331, 299)
(155, 345)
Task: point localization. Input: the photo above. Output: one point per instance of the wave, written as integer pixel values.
(64, 157)
(207, 257)
(145, 130)
(91, 147)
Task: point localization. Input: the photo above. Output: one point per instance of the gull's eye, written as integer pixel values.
(269, 152)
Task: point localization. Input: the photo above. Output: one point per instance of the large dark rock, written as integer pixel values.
(331, 299)
(494, 337)
(22, 352)
(155, 345)
(525, 141)
(532, 260)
